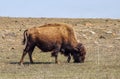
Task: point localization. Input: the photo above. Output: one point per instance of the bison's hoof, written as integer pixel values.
(57, 62)
(21, 64)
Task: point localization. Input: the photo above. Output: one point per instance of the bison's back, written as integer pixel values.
(52, 29)
(54, 33)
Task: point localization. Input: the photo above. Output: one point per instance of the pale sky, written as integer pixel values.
(61, 8)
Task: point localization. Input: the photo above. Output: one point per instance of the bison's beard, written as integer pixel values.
(76, 60)
(79, 59)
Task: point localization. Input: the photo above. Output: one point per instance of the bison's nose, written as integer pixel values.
(77, 61)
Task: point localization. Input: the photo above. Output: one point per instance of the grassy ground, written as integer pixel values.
(101, 38)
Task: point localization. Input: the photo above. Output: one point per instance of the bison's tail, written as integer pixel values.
(25, 37)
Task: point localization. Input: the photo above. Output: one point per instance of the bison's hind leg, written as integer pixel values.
(24, 53)
(28, 49)
(30, 54)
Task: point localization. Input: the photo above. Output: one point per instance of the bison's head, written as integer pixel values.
(79, 53)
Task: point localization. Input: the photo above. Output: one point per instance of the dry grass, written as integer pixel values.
(101, 38)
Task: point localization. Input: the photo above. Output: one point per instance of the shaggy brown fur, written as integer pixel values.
(52, 37)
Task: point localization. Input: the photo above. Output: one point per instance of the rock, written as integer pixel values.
(16, 21)
(96, 42)
(110, 46)
(102, 37)
(88, 24)
(92, 32)
(3, 36)
(7, 57)
(11, 34)
(12, 48)
(84, 36)
(109, 32)
(118, 38)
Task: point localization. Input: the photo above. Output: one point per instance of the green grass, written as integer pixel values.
(45, 68)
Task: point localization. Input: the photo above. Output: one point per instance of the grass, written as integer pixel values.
(45, 68)
(102, 58)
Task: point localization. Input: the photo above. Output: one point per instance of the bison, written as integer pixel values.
(55, 37)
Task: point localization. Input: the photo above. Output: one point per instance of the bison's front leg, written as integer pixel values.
(55, 53)
(69, 58)
(56, 59)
